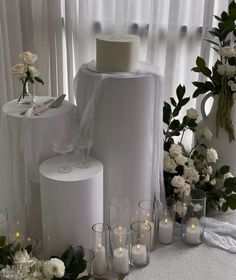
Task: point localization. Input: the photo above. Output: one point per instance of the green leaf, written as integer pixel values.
(225, 207)
(174, 124)
(184, 101)
(224, 169)
(232, 5)
(79, 254)
(232, 204)
(31, 80)
(68, 256)
(218, 18)
(200, 62)
(28, 248)
(230, 183)
(196, 69)
(173, 102)
(212, 42)
(39, 80)
(180, 91)
(2, 241)
(224, 16)
(166, 113)
(232, 13)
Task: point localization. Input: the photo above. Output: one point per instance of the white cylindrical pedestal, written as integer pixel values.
(127, 129)
(71, 203)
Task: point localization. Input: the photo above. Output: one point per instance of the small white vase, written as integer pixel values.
(226, 149)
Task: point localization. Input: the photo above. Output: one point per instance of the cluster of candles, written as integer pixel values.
(130, 243)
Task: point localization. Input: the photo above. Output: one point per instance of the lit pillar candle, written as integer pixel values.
(165, 231)
(147, 234)
(100, 265)
(139, 254)
(121, 261)
(193, 234)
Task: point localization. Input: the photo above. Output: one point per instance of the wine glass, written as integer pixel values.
(63, 146)
(82, 150)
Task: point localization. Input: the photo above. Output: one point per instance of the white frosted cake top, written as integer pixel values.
(119, 38)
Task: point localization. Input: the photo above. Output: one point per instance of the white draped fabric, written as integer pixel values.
(62, 33)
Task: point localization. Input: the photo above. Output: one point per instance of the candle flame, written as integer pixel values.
(138, 247)
(119, 228)
(28, 239)
(99, 246)
(17, 234)
(166, 220)
(120, 250)
(193, 226)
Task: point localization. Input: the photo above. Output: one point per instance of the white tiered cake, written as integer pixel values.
(117, 53)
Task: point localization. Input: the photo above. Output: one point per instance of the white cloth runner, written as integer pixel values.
(220, 234)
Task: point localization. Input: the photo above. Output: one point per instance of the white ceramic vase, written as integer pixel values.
(226, 149)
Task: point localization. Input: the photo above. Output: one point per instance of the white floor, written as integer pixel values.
(181, 262)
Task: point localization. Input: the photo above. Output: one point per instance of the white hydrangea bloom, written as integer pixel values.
(54, 268)
(21, 256)
(191, 174)
(212, 155)
(169, 165)
(166, 155)
(186, 189)
(181, 160)
(175, 150)
(227, 51)
(206, 178)
(192, 114)
(205, 132)
(209, 170)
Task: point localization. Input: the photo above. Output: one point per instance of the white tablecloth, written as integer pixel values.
(121, 116)
(24, 144)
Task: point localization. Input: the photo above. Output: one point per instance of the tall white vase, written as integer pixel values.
(226, 149)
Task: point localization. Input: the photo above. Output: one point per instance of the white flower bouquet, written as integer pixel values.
(186, 170)
(26, 72)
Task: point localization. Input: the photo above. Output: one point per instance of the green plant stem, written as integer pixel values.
(224, 109)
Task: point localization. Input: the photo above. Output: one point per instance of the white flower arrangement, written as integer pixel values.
(26, 72)
(26, 268)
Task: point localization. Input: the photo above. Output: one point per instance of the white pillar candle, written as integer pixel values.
(100, 264)
(193, 234)
(147, 234)
(121, 261)
(165, 231)
(139, 254)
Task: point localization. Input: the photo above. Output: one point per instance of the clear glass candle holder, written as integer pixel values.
(166, 226)
(147, 211)
(27, 242)
(100, 249)
(192, 227)
(120, 251)
(140, 243)
(121, 209)
(4, 224)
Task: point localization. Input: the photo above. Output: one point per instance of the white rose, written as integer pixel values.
(169, 165)
(186, 189)
(191, 174)
(227, 52)
(54, 268)
(18, 70)
(196, 207)
(175, 150)
(180, 208)
(180, 160)
(178, 182)
(226, 70)
(192, 114)
(33, 71)
(206, 178)
(213, 182)
(205, 132)
(21, 256)
(228, 175)
(209, 170)
(28, 57)
(166, 155)
(212, 155)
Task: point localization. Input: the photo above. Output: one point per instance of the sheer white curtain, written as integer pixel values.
(63, 32)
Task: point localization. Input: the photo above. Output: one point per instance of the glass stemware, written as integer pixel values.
(63, 146)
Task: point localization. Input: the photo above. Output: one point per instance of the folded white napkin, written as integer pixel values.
(220, 234)
(36, 109)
